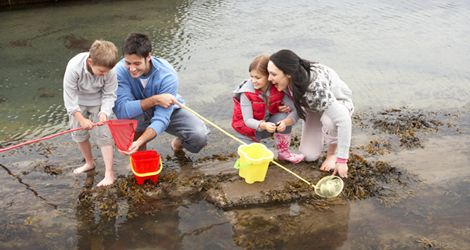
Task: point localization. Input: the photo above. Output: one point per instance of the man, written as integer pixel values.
(147, 92)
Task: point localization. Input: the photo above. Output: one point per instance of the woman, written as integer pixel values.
(323, 101)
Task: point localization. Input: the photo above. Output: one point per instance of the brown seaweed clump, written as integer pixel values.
(365, 180)
(432, 244)
(405, 123)
(378, 179)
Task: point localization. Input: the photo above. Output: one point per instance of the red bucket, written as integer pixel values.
(146, 165)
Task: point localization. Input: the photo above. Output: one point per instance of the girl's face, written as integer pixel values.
(277, 77)
(259, 80)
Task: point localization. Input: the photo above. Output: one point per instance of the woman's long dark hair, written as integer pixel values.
(299, 70)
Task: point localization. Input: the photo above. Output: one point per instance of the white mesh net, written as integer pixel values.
(329, 186)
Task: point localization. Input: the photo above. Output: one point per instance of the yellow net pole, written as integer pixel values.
(233, 137)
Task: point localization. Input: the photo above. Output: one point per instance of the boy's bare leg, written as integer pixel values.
(330, 161)
(107, 152)
(85, 147)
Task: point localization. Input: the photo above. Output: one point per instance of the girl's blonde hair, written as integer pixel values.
(260, 63)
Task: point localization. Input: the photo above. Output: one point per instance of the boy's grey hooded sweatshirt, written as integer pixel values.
(83, 88)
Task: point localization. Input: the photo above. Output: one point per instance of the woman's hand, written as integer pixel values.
(284, 109)
(341, 169)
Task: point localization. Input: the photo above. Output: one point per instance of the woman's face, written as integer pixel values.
(277, 77)
(259, 80)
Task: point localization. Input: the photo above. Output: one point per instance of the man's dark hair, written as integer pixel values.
(138, 44)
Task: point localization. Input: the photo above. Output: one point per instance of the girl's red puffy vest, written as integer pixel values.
(259, 109)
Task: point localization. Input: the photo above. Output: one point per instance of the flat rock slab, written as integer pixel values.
(236, 192)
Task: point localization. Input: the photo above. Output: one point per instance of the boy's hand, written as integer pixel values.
(86, 124)
(103, 119)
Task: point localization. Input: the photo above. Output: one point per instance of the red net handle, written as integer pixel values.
(41, 139)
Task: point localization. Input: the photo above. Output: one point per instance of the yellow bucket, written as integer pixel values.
(253, 162)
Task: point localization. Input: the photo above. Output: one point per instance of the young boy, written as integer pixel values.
(90, 84)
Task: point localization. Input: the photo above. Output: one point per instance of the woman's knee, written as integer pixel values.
(309, 156)
(328, 126)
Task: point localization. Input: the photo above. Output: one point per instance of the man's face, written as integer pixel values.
(137, 66)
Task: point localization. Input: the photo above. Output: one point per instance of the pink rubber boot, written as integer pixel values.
(282, 145)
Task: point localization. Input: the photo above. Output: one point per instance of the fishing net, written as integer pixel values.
(123, 132)
(329, 186)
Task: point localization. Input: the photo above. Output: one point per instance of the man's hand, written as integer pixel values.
(132, 149)
(142, 138)
(166, 100)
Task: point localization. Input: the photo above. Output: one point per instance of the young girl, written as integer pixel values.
(323, 101)
(257, 111)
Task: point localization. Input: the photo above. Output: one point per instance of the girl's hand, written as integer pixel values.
(341, 169)
(270, 127)
(280, 126)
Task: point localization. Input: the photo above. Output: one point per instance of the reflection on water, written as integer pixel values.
(390, 54)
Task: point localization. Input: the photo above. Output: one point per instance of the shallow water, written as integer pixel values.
(390, 54)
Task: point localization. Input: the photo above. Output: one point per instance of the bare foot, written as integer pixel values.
(177, 144)
(85, 168)
(329, 163)
(108, 180)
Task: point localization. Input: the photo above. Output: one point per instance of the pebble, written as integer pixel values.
(294, 209)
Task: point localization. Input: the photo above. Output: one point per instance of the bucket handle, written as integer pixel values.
(147, 174)
(237, 164)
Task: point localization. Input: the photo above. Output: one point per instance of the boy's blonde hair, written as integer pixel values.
(103, 53)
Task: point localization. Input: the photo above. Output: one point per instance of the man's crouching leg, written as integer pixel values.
(192, 131)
